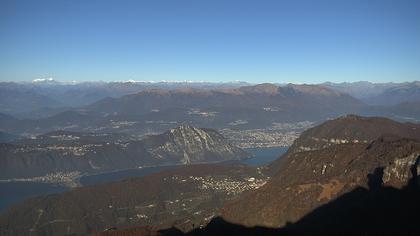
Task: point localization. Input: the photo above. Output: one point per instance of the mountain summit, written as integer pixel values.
(71, 151)
(192, 145)
(328, 161)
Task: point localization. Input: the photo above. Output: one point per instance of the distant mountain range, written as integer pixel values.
(361, 89)
(221, 106)
(351, 168)
(140, 107)
(34, 100)
(408, 92)
(383, 94)
(155, 110)
(42, 97)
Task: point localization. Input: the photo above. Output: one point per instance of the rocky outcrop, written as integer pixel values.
(303, 181)
(345, 188)
(192, 145)
(352, 129)
(402, 170)
(67, 152)
(306, 179)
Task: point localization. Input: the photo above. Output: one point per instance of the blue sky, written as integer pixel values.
(214, 40)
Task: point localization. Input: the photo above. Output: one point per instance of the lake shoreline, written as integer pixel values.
(13, 192)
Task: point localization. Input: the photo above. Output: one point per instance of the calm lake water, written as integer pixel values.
(264, 156)
(15, 192)
(120, 175)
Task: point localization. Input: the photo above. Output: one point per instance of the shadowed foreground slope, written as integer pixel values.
(353, 174)
(376, 210)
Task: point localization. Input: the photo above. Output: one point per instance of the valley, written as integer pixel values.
(66, 181)
(147, 163)
(189, 197)
(152, 138)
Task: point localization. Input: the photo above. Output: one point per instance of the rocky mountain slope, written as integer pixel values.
(352, 129)
(326, 162)
(350, 180)
(68, 152)
(368, 187)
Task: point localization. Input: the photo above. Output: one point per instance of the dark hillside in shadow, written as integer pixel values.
(378, 210)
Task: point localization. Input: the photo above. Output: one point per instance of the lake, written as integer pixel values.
(264, 156)
(15, 192)
(89, 180)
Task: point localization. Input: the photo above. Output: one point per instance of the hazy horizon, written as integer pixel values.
(54, 80)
